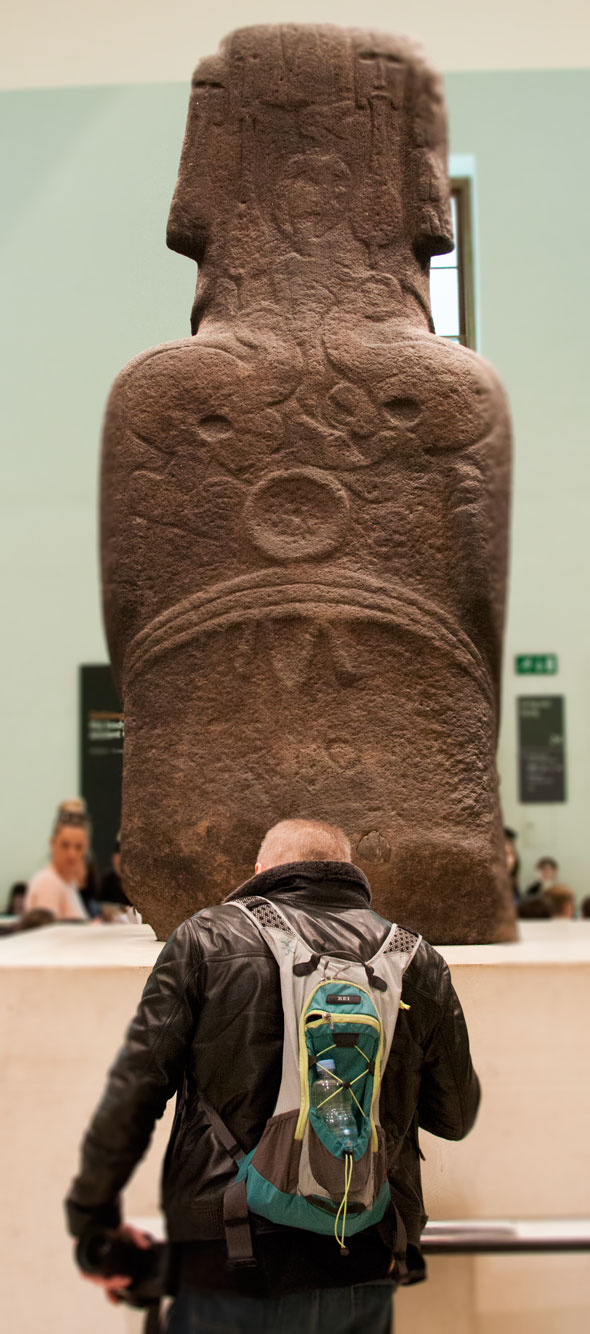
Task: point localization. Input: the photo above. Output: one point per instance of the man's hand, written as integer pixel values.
(114, 1286)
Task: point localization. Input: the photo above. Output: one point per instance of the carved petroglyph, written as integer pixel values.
(305, 504)
(296, 514)
(321, 600)
(372, 847)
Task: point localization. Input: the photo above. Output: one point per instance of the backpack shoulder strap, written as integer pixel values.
(272, 922)
(276, 930)
(224, 1135)
(392, 957)
(400, 941)
(264, 913)
(236, 1222)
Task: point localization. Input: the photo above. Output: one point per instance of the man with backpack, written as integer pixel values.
(306, 1039)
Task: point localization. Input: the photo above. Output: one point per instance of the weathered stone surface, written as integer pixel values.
(305, 504)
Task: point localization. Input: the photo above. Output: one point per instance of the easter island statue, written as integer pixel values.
(305, 503)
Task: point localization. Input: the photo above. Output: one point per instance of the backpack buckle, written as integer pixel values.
(377, 983)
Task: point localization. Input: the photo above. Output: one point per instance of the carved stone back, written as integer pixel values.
(305, 504)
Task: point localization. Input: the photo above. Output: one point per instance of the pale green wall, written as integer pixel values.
(86, 282)
(529, 134)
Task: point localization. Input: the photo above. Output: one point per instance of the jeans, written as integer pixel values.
(366, 1309)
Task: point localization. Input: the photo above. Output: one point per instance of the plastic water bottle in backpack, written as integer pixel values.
(334, 1103)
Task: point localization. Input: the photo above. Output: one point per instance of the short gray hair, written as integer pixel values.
(304, 841)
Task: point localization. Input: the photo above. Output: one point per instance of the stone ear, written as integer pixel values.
(433, 226)
(432, 231)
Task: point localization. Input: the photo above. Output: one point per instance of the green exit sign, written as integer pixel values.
(536, 664)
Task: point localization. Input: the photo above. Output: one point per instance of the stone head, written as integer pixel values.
(309, 128)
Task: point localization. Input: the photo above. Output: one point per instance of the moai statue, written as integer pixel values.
(305, 503)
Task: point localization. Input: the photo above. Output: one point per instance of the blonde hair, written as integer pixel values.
(71, 814)
(304, 841)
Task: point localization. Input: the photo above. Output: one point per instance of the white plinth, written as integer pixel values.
(67, 994)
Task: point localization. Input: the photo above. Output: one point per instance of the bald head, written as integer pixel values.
(303, 841)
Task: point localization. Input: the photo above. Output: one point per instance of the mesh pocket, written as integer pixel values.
(278, 1153)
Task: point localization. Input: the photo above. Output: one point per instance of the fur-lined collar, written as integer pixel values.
(300, 875)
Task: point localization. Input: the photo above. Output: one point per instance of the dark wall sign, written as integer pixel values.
(541, 745)
(101, 758)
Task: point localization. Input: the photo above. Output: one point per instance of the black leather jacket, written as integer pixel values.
(210, 1019)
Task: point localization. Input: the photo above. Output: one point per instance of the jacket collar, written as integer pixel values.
(293, 876)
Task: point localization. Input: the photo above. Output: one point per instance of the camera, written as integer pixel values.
(102, 1253)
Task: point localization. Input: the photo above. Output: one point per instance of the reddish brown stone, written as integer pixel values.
(305, 505)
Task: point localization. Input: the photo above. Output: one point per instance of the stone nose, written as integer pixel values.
(297, 514)
(379, 73)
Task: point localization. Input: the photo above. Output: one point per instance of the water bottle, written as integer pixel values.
(336, 1113)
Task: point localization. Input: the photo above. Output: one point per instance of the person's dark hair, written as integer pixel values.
(585, 907)
(534, 908)
(546, 861)
(36, 917)
(510, 836)
(16, 891)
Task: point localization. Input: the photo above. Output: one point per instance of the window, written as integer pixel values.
(451, 276)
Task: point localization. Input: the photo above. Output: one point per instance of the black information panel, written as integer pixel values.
(541, 746)
(101, 758)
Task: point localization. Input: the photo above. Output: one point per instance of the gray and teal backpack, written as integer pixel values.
(302, 1173)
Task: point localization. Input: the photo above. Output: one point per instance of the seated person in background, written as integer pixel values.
(534, 909)
(512, 861)
(14, 908)
(585, 907)
(28, 920)
(73, 806)
(88, 881)
(111, 888)
(56, 888)
(36, 917)
(547, 870)
(562, 900)
(16, 899)
(86, 876)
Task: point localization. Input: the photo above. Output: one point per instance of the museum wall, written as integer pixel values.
(87, 282)
(129, 41)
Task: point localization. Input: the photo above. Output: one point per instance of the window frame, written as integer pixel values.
(461, 190)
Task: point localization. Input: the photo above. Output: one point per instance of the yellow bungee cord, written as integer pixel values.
(348, 1170)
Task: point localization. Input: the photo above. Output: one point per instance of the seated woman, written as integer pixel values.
(56, 886)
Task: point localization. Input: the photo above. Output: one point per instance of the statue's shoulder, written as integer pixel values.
(161, 387)
(153, 369)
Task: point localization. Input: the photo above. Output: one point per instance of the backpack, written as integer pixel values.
(301, 1173)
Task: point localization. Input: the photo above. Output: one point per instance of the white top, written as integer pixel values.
(48, 890)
